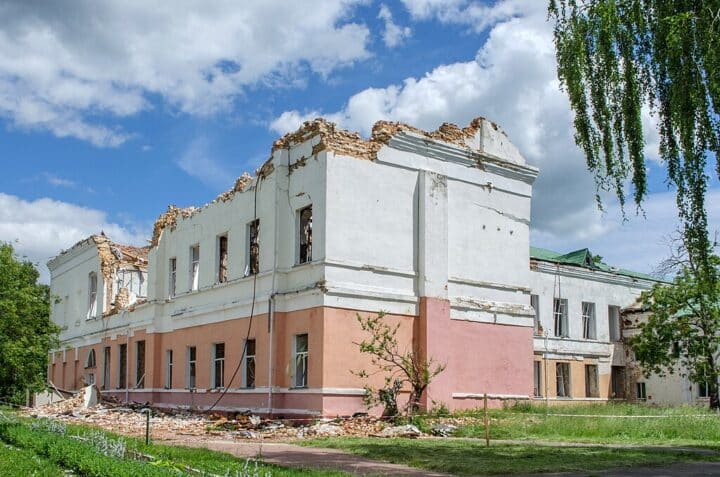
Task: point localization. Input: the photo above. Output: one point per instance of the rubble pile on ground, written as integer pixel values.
(130, 419)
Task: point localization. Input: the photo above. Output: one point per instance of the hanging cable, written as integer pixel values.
(252, 306)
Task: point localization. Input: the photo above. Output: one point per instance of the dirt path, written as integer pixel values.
(290, 455)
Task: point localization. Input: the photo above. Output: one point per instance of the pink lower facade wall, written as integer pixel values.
(479, 358)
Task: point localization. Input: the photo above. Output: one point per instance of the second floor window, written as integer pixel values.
(92, 295)
(194, 267)
(222, 272)
(535, 303)
(588, 320)
(305, 235)
(560, 317)
(172, 277)
(614, 322)
(253, 258)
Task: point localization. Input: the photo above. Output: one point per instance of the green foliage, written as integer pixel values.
(401, 366)
(26, 332)
(616, 57)
(683, 328)
(21, 463)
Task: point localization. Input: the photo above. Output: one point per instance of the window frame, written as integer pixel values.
(191, 367)
(641, 390)
(249, 269)
(218, 376)
(299, 237)
(107, 352)
(566, 380)
(614, 331)
(168, 368)
(589, 320)
(172, 277)
(560, 318)
(194, 268)
(140, 364)
(535, 303)
(249, 359)
(537, 379)
(222, 267)
(122, 382)
(303, 356)
(92, 296)
(595, 386)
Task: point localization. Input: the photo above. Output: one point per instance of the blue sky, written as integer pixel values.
(109, 112)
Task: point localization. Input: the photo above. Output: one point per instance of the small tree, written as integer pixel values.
(402, 366)
(26, 332)
(683, 326)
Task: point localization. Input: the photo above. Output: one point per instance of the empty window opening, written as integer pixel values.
(562, 371)
(591, 381)
(90, 359)
(172, 278)
(588, 320)
(535, 303)
(641, 391)
(301, 361)
(169, 369)
(106, 368)
(218, 375)
(190, 380)
(194, 267)
(614, 322)
(703, 389)
(537, 379)
(617, 378)
(305, 235)
(122, 365)
(222, 271)
(92, 295)
(249, 365)
(140, 364)
(253, 252)
(560, 316)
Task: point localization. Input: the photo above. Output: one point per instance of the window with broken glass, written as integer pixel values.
(106, 368)
(560, 317)
(222, 270)
(591, 381)
(218, 375)
(562, 373)
(641, 391)
(122, 366)
(617, 379)
(169, 369)
(305, 235)
(90, 359)
(537, 378)
(535, 303)
(614, 322)
(249, 365)
(140, 364)
(588, 320)
(92, 296)
(253, 252)
(301, 361)
(194, 267)
(172, 278)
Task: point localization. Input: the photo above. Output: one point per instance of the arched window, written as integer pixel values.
(90, 360)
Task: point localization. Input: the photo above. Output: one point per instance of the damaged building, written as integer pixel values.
(251, 301)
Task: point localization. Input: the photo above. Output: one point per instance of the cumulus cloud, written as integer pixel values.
(512, 80)
(478, 16)
(41, 228)
(68, 68)
(393, 34)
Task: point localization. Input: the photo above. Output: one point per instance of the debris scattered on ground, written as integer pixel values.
(128, 419)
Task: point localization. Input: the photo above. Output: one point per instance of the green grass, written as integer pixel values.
(71, 447)
(16, 462)
(470, 457)
(679, 426)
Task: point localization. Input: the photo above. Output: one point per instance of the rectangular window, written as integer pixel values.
(537, 378)
(218, 370)
(249, 365)
(703, 389)
(617, 378)
(301, 361)
(614, 322)
(122, 366)
(305, 235)
(588, 320)
(194, 267)
(591, 381)
(106, 368)
(535, 303)
(172, 277)
(641, 391)
(140, 364)
(169, 369)
(92, 296)
(222, 268)
(191, 367)
(562, 372)
(560, 316)
(253, 251)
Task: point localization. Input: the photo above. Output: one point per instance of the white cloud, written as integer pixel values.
(54, 180)
(64, 67)
(393, 34)
(40, 229)
(478, 16)
(197, 162)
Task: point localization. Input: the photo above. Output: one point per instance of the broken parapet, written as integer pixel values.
(112, 255)
(169, 219)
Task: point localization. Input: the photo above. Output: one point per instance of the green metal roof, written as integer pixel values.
(584, 258)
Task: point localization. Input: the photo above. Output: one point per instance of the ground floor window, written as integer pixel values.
(617, 378)
(122, 366)
(703, 389)
(249, 365)
(301, 361)
(169, 369)
(191, 367)
(218, 365)
(641, 391)
(562, 371)
(140, 364)
(591, 381)
(537, 378)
